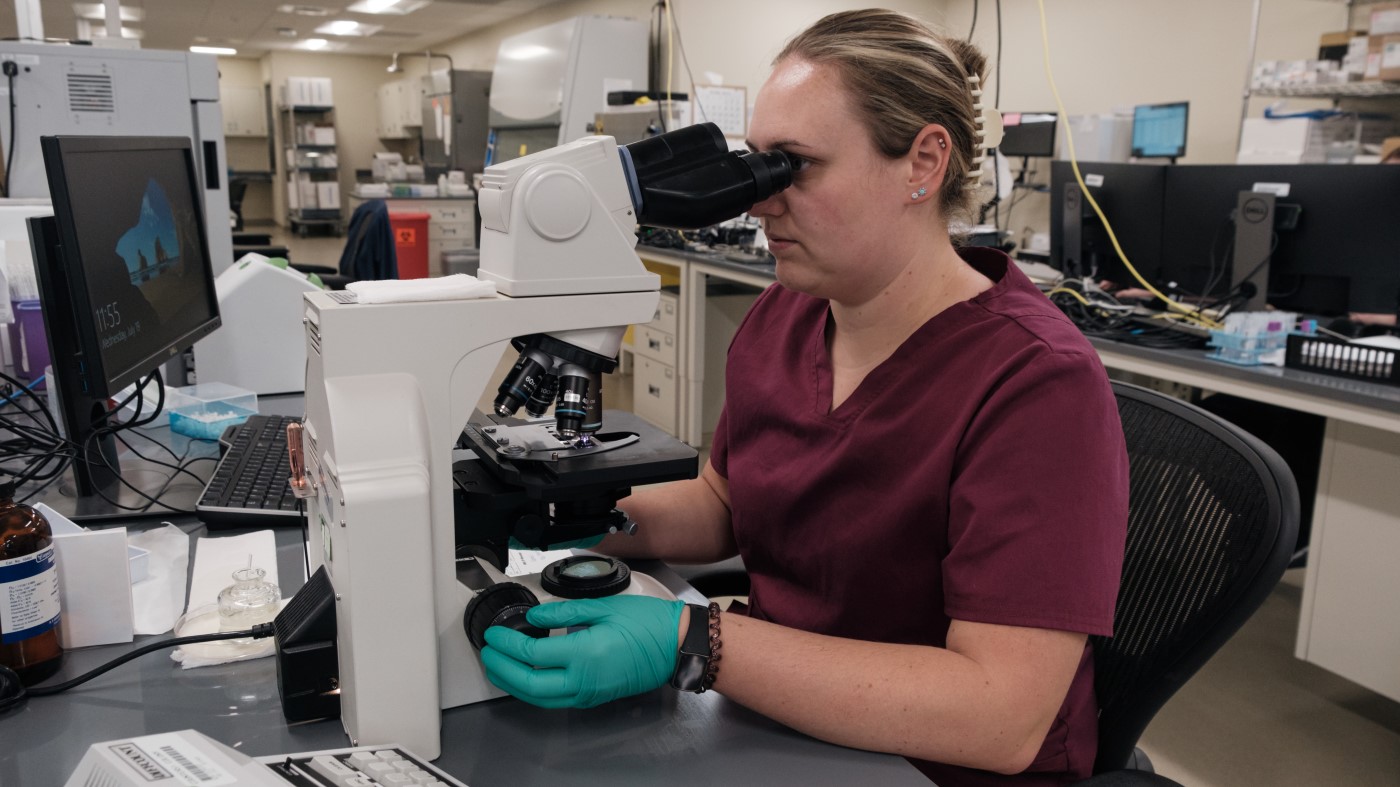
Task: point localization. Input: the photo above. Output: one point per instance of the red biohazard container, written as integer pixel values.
(411, 243)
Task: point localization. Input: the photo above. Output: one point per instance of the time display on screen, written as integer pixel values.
(109, 317)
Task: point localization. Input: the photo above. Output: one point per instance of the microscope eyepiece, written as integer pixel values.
(689, 178)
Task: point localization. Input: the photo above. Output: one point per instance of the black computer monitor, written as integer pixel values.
(1159, 130)
(1337, 241)
(1028, 135)
(125, 284)
(1131, 197)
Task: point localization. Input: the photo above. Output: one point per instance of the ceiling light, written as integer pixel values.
(304, 10)
(98, 12)
(526, 52)
(287, 32)
(214, 50)
(398, 7)
(314, 43)
(348, 27)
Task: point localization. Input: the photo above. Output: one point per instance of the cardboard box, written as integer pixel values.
(328, 195)
(1390, 58)
(1385, 18)
(1333, 46)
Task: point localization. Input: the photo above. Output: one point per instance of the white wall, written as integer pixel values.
(248, 154)
(1108, 54)
(736, 39)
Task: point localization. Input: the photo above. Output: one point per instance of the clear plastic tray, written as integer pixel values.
(205, 620)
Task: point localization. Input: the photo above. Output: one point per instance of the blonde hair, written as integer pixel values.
(902, 77)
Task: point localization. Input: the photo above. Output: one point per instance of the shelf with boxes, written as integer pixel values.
(1358, 69)
(311, 162)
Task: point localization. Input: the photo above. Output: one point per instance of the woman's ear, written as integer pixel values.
(928, 158)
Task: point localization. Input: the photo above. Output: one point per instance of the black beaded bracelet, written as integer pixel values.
(712, 668)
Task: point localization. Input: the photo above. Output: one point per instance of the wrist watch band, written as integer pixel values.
(693, 658)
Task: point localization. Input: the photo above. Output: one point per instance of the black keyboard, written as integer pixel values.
(249, 487)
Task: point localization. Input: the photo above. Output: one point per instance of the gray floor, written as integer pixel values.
(1254, 715)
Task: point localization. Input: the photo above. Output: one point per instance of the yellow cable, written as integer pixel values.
(1076, 295)
(1189, 314)
(670, 48)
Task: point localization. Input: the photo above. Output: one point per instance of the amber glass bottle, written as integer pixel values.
(28, 591)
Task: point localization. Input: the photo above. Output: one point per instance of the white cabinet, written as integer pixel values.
(244, 113)
(400, 108)
(656, 359)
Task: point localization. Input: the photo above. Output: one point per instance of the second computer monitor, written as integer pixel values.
(1028, 135)
(1159, 130)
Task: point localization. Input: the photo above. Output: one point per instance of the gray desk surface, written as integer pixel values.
(660, 737)
(1355, 394)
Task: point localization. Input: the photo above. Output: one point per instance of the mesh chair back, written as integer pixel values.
(1213, 517)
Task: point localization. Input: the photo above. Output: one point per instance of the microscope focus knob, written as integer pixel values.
(504, 604)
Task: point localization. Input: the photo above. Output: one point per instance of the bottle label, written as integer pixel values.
(28, 596)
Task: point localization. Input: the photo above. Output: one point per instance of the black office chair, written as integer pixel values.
(1212, 520)
(237, 188)
(1213, 517)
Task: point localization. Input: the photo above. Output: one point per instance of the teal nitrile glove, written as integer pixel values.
(628, 648)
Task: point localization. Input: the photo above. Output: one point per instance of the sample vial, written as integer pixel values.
(250, 600)
(29, 609)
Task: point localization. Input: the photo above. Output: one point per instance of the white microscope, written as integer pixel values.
(406, 488)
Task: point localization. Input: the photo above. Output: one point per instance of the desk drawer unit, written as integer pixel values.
(651, 343)
(654, 392)
(667, 314)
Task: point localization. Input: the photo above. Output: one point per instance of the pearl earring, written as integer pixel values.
(921, 192)
(943, 143)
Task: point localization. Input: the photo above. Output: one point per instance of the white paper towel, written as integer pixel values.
(159, 599)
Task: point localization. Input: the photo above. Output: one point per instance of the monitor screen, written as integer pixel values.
(1159, 130)
(1028, 134)
(135, 252)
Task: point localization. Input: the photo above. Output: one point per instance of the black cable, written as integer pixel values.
(13, 693)
(973, 29)
(11, 69)
(680, 44)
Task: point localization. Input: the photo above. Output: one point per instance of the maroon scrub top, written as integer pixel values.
(978, 474)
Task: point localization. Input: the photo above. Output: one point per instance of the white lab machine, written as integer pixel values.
(260, 345)
(188, 757)
(1103, 137)
(550, 82)
(405, 488)
(63, 89)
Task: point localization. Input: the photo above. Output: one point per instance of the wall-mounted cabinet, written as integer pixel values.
(400, 109)
(245, 114)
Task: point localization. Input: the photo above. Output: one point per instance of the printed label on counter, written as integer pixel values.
(28, 596)
(169, 756)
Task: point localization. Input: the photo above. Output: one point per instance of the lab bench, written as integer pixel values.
(661, 737)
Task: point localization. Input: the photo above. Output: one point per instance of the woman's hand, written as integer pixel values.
(628, 648)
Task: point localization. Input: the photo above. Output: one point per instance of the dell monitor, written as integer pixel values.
(1028, 135)
(1335, 240)
(125, 284)
(1159, 131)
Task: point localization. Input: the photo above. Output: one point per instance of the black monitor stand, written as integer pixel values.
(1254, 245)
(103, 482)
